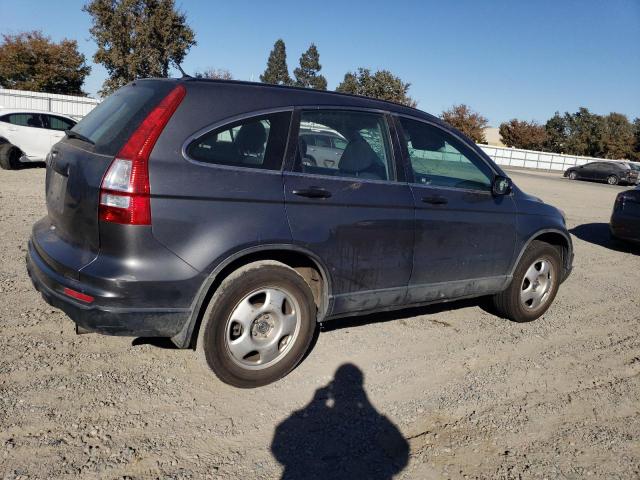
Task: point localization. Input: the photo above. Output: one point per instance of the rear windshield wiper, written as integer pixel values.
(79, 136)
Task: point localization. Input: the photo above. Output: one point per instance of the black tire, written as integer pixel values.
(212, 338)
(612, 180)
(509, 303)
(573, 175)
(9, 156)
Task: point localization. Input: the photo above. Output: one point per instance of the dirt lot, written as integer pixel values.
(448, 391)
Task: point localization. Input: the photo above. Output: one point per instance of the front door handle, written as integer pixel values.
(312, 192)
(435, 200)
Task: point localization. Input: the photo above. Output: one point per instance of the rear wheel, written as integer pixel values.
(259, 324)
(534, 284)
(9, 156)
(612, 180)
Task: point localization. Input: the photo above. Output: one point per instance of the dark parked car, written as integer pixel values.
(183, 209)
(612, 173)
(625, 219)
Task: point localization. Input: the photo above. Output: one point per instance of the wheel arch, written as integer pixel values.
(554, 237)
(307, 264)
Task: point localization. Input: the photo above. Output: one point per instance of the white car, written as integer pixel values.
(28, 135)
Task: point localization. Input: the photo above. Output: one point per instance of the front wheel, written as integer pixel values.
(573, 175)
(534, 284)
(612, 180)
(259, 324)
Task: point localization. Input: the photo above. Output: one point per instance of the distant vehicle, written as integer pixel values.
(323, 149)
(612, 173)
(28, 135)
(184, 209)
(625, 219)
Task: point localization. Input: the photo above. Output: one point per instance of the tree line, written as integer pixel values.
(580, 133)
(143, 38)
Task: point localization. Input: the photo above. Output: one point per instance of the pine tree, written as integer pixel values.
(382, 85)
(307, 75)
(277, 72)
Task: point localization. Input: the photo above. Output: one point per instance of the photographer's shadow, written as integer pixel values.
(340, 435)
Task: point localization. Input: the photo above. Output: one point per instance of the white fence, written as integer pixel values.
(514, 157)
(76, 107)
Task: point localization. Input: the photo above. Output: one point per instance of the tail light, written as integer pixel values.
(619, 205)
(124, 192)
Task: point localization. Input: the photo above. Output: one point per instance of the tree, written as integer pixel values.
(471, 123)
(307, 75)
(137, 38)
(557, 134)
(636, 142)
(277, 71)
(215, 73)
(32, 61)
(523, 134)
(382, 85)
(585, 133)
(618, 136)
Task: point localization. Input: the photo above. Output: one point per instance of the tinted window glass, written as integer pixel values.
(258, 142)
(25, 120)
(59, 123)
(366, 153)
(111, 123)
(438, 158)
(339, 143)
(322, 141)
(310, 139)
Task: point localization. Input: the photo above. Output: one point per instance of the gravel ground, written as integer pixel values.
(439, 392)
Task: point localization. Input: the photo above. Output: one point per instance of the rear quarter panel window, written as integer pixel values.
(256, 142)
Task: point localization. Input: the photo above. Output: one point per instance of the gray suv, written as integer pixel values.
(185, 209)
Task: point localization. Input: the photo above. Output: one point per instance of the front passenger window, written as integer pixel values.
(439, 159)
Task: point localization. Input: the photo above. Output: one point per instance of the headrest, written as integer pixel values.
(357, 157)
(251, 138)
(425, 139)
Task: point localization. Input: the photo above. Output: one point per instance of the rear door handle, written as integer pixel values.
(435, 200)
(312, 192)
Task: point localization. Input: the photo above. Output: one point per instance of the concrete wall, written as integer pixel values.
(514, 157)
(76, 107)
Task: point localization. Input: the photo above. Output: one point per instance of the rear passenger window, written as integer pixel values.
(439, 159)
(58, 123)
(258, 142)
(354, 144)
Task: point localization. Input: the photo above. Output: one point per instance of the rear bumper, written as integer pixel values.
(625, 227)
(98, 318)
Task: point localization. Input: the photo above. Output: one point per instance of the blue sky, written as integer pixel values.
(506, 59)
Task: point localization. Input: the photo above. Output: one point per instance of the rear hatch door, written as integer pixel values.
(70, 234)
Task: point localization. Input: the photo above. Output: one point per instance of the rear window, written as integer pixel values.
(112, 122)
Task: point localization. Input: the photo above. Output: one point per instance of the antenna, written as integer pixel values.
(184, 75)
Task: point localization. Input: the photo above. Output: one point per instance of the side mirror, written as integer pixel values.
(501, 185)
